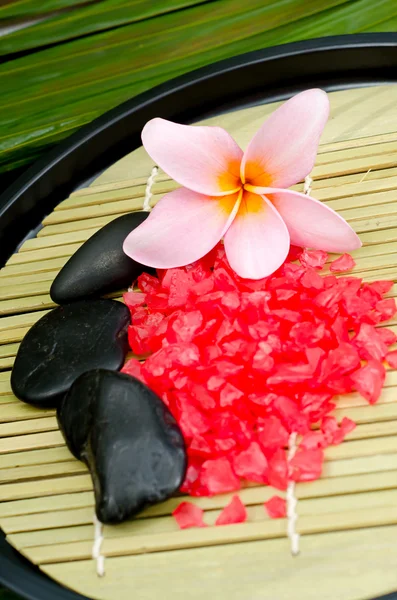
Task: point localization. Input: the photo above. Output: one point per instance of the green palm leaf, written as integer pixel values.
(49, 94)
(100, 16)
(11, 9)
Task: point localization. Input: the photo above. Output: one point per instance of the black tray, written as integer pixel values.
(267, 75)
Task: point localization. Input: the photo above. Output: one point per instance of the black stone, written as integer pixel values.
(127, 437)
(67, 342)
(100, 266)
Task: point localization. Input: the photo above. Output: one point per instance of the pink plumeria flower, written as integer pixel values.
(238, 196)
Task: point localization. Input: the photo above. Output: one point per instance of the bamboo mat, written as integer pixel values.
(348, 519)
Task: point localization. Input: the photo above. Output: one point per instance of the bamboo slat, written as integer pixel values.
(343, 180)
(354, 449)
(48, 487)
(35, 457)
(6, 363)
(20, 428)
(38, 267)
(56, 509)
(7, 398)
(365, 447)
(74, 226)
(362, 200)
(68, 483)
(22, 291)
(13, 335)
(24, 279)
(8, 350)
(256, 514)
(20, 443)
(17, 411)
(202, 537)
(50, 241)
(378, 237)
(111, 195)
(369, 414)
(42, 254)
(23, 320)
(358, 188)
(37, 473)
(86, 212)
(23, 303)
(347, 517)
(375, 438)
(233, 571)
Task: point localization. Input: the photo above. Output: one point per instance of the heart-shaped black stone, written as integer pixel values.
(99, 266)
(67, 342)
(128, 438)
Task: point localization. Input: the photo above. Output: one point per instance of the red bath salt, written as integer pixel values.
(234, 512)
(276, 507)
(251, 464)
(134, 368)
(277, 473)
(189, 515)
(387, 336)
(369, 343)
(369, 380)
(382, 287)
(313, 258)
(391, 358)
(386, 308)
(333, 432)
(217, 477)
(342, 264)
(307, 464)
(272, 433)
(242, 364)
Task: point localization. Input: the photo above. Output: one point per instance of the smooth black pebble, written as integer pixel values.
(67, 342)
(129, 440)
(99, 266)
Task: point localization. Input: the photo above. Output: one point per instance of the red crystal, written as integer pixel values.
(234, 512)
(387, 336)
(369, 343)
(342, 264)
(278, 470)
(307, 464)
(334, 433)
(242, 364)
(251, 464)
(313, 258)
(272, 434)
(134, 368)
(217, 477)
(391, 358)
(369, 380)
(276, 507)
(189, 515)
(386, 308)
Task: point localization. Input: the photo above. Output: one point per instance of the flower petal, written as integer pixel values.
(284, 149)
(257, 242)
(312, 224)
(181, 228)
(204, 159)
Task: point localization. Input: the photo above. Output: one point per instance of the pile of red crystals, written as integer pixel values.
(242, 364)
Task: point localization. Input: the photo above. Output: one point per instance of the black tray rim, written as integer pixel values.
(367, 59)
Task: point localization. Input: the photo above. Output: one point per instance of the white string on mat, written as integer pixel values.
(292, 501)
(364, 176)
(148, 191)
(307, 188)
(148, 196)
(96, 547)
